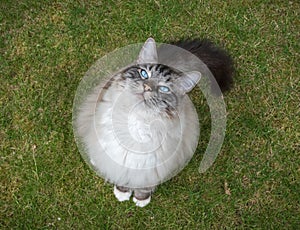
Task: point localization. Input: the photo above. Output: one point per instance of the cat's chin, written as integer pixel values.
(140, 96)
(143, 99)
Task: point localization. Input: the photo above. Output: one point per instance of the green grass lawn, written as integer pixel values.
(47, 46)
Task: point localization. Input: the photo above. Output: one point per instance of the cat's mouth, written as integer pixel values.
(143, 96)
(146, 98)
(155, 105)
(152, 102)
(147, 95)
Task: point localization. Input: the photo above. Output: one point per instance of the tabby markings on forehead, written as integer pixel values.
(164, 70)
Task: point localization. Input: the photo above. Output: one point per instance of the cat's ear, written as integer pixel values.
(188, 81)
(148, 53)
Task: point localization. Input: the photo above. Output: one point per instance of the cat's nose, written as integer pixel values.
(147, 88)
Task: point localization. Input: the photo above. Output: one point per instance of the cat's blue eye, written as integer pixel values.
(144, 74)
(164, 89)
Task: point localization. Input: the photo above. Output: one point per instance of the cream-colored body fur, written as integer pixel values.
(130, 145)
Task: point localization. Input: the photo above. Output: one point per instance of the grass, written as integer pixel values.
(47, 46)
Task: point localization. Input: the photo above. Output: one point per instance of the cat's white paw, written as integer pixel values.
(141, 203)
(122, 196)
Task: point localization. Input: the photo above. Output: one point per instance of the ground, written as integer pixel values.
(47, 46)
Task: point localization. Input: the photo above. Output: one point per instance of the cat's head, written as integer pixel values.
(161, 87)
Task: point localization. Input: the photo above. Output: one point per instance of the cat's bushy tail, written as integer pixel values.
(216, 59)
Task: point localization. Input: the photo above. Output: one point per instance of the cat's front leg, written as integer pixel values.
(122, 193)
(142, 197)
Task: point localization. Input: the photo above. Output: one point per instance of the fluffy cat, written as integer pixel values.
(140, 128)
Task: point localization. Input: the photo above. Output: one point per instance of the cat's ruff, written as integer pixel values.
(117, 164)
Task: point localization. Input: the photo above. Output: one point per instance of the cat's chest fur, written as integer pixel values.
(132, 145)
(128, 126)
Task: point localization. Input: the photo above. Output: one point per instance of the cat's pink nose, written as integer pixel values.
(147, 87)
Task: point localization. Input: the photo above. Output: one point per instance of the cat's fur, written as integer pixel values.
(138, 132)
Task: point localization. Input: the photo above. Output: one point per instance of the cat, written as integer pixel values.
(140, 128)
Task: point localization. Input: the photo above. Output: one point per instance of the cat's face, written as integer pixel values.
(160, 87)
(155, 84)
